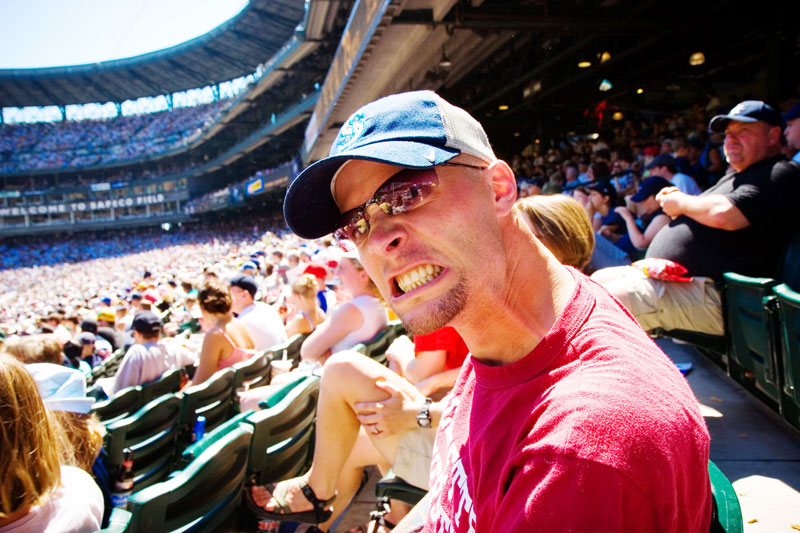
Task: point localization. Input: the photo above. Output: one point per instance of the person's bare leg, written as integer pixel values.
(349, 377)
(364, 453)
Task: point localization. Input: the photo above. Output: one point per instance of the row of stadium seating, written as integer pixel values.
(761, 345)
(87, 143)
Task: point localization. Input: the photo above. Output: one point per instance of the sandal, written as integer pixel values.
(321, 508)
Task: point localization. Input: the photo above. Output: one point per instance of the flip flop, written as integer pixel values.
(321, 508)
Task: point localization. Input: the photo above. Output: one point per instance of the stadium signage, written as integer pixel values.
(77, 207)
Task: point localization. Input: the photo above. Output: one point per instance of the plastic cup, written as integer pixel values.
(281, 366)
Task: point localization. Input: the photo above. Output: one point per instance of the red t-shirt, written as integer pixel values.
(594, 430)
(447, 339)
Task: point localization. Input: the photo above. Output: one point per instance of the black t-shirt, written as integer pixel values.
(767, 193)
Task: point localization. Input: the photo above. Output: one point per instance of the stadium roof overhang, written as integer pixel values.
(231, 50)
(514, 64)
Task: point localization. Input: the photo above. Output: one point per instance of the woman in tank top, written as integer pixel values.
(308, 314)
(350, 323)
(227, 340)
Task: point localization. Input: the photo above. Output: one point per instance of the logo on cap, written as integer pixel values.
(351, 132)
(739, 109)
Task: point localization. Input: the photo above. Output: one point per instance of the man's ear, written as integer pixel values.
(504, 186)
(774, 135)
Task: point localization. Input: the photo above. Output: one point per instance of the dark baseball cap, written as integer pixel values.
(605, 188)
(245, 282)
(747, 111)
(650, 187)
(662, 160)
(414, 130)
(146, 322)
(793, 113)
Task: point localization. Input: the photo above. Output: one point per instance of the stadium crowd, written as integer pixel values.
(88, 143)
(592, 202)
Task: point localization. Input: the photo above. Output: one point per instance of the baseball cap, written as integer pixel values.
(86, 337)
(146, 322)
(243, 281)
(649, 187)
(604, 187)
(793, 113)
(747, 111)
(662, 160)
(317, 270)
(416, 129)
(107, 315)
(62, 388)
(89, 324)
(248, 264)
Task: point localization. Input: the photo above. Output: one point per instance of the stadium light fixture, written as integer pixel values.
(605, 56)
(584, 64)
(502, 107)
(697, 59)
(639, 90)
(617, 115)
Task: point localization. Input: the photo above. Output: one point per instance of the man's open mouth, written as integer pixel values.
(417, 277)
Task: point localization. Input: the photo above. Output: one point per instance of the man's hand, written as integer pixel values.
(624, 212)
(671, 200)
(396, 414)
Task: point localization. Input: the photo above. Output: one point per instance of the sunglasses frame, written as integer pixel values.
(348, 244)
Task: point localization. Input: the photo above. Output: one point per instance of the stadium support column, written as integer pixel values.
(63, 111)
(168, 96)
(215, 92)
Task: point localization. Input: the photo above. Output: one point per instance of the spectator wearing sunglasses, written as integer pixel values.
(566, 416)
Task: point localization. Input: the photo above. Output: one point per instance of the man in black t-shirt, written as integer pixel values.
(741, 224)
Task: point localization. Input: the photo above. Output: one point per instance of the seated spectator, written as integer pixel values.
(89, 354)
(64, 393)
(651, 215)
(102, 348)
(563, 226)
(262, 321)
(664, 165)
(147, 359)
(306, 306)
(609, 227)
(326, 297)
(227, 340)
(353, 321)
(38, 493)
(751, 208)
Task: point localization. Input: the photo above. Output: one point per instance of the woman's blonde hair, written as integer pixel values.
(371, 287)
(29, 461)
(563, 226)
(81, 438)
(305, 286)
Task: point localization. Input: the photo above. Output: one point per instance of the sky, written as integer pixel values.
(54, 33)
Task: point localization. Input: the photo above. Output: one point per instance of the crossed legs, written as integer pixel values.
(342, 446)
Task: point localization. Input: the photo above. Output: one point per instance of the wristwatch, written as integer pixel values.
(424, 414)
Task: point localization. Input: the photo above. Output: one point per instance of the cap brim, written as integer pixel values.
(308, 207)
(720, 122)
(638, 197)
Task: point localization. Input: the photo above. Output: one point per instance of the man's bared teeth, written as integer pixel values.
(418, 277)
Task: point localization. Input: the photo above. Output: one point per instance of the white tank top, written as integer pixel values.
(375, 319)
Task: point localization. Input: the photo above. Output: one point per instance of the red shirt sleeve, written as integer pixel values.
(446, 339)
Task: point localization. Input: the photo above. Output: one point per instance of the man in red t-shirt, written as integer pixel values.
(566, 416)
(431, 362)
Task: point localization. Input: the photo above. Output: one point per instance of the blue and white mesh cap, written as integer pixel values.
(416, 130)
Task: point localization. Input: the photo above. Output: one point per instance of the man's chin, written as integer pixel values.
(429, 317)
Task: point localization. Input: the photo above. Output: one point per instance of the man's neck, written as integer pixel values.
(506, 326)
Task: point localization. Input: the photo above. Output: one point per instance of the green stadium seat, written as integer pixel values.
(753, 356)
(727, 516)
(376, 347)
(168, 383)
(204, 496)
(283, 435)
(118, 522)
(789, 314)
(280, 393)
(391, 487)
(211, 399)
(291, 347)
(151, 433)
(195, 450)
(122, 404)
(255, 371)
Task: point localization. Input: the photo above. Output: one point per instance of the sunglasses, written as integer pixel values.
(403, 192)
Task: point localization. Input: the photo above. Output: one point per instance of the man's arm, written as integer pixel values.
(397, 413)
(713, 210)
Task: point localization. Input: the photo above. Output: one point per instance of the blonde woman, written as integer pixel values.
(357, 320)
(37, 492)
(308, 314)
(562, 225)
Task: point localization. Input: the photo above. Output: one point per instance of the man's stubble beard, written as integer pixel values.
(446, 310)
